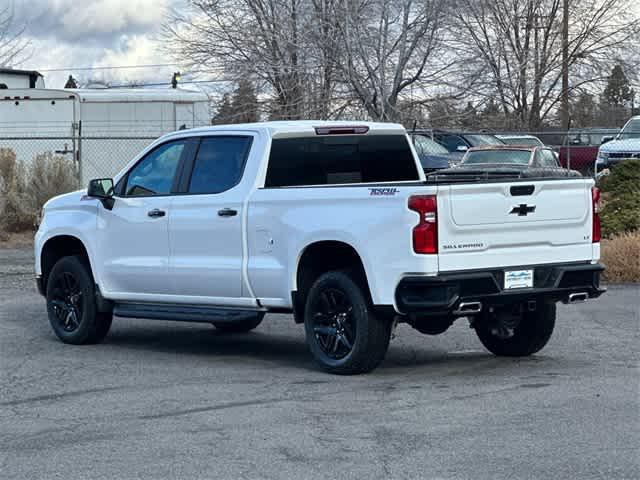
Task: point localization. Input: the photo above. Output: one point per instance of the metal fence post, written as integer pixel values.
(79, 153)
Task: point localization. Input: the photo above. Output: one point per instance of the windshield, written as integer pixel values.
(509, 157)
(477, 140)
(631, 129)
(533, 141)
(426, 146)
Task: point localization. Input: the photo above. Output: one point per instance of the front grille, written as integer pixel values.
(618, 155)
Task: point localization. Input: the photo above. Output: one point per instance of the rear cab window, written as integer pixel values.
(340, 159)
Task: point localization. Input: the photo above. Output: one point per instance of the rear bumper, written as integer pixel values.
(444, 293)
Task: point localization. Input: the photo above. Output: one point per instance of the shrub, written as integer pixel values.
(621, 199)
(621, 256)
(25, 188)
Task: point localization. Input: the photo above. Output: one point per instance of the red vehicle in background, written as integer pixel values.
(579, 149)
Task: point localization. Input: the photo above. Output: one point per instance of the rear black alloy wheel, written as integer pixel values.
(71, 303)
(343, 332)
(334, 325)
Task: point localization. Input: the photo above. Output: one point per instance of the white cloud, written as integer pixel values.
(135, 50)
(106, 16)
(95, 33)
(90, 20)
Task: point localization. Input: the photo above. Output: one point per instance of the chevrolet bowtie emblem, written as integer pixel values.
(523, 209)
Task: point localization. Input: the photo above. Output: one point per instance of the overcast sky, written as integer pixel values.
(89, 33)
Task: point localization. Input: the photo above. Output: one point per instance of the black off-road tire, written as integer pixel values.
(369, 333)
(530, 336)
(88, 325)
(241, 326)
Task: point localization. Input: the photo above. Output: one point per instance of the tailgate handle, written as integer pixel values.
(520, 190)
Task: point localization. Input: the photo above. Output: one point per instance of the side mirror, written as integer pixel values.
(606, 139)
(102, 189)
(462, 148)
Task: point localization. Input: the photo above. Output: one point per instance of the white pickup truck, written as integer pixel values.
(333, 222)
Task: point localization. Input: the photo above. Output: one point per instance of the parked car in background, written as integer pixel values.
(462, 141)
(518, 139)
(432, 155)
(579, 149)
(625, 146)
(521, 160)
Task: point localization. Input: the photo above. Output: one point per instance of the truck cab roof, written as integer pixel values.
(293, 128)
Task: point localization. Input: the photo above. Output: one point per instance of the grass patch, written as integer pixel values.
(621, 256)
(26, 186)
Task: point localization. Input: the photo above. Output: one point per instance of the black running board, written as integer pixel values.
(181, 313)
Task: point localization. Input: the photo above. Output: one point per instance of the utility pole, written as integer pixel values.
(564, 113)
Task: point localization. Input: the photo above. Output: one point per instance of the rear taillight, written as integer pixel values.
(425, 234)
(595, 208)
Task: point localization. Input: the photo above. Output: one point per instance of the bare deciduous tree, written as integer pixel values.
(516, 46)
(389, 46)
(286, 44)
(13, 46)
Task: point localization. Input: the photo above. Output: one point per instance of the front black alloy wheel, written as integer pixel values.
(343, 332)
(66, 301)
(71, 303)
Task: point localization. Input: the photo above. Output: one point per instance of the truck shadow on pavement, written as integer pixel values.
(291, 350)
(205, 340)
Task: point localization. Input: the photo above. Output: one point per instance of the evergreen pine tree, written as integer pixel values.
(245, 103)
(225, 111)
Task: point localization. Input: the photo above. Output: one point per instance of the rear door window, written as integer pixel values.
(340, 159)
(219, 164)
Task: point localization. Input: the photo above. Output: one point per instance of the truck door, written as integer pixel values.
(134, 234)
(206, 223)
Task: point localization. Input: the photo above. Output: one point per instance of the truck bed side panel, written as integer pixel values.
(282, 222)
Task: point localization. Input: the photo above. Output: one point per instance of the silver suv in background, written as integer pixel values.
(624, 146)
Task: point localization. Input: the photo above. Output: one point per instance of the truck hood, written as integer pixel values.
(631, 145)
(65, 200)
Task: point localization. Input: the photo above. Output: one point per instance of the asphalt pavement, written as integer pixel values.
(182, 401)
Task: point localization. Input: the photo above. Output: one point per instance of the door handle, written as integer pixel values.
(227, 212)
(156, 213)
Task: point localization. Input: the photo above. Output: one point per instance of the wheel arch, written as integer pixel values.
(57, 247)
(320, 257)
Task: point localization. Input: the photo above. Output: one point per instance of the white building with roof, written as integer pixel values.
(101, 129)
(12, 78)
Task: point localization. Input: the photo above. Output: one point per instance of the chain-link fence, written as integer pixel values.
(38, 167)
(83, 158)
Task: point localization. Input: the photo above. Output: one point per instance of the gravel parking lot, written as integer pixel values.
(171, 400)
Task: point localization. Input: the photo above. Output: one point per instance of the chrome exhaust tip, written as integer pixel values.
(468, 308)
(578, 297)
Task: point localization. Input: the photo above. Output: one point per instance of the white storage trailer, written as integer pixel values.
(100, 129)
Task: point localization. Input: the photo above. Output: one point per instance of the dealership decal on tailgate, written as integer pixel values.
(518, 279)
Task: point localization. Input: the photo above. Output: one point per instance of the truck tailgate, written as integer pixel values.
(505, 224)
